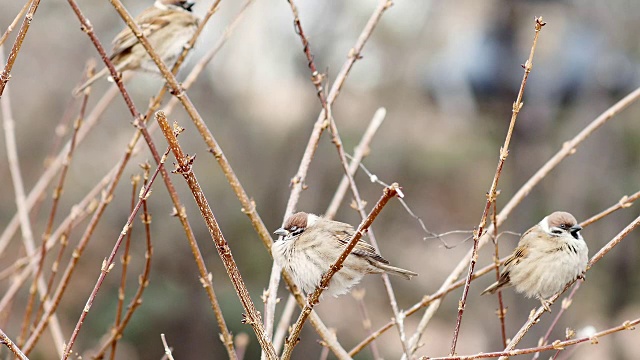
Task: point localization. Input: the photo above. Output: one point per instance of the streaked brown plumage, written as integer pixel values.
(168, 25)
(549, 255)
(310, 244)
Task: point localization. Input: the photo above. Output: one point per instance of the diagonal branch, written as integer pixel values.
(313, 299)
(184, 167)
(22, 33)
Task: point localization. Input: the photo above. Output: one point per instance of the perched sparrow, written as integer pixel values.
(311, 244)
(549, 255)
(168, 25)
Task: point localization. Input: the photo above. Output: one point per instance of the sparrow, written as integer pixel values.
(548, 256)
(168, 25)
(309, 244)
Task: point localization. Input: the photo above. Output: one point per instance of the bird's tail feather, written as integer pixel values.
(397, 271)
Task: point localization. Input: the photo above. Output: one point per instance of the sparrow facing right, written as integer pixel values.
(548, 256)
(168, 25)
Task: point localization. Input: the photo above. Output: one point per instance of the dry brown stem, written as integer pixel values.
(11, 346)
(556, 345)
(15, 22)
(15, 49)
(109, 262)
(492, 194)
(184, 168)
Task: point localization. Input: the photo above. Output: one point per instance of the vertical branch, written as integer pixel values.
(496, 260)
(54, 207)
(298, 181)
(126, 258)
(492, 194)
(184, 167)
(22, 33)
(313, 299)
(18, 184)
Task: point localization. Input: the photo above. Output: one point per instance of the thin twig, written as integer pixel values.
(126, 258)
(603, 251)
(358, 295)
(15, 22)
(312, 300)
(4, 339)
(143, 280)
(298, 181)
(430, 234)
(566, 302)
(429, 299)
(623, 203)
(184, 168)
(317, 80)
(556, 345)
(54, 166)
(496, 259)
(167, 350)
(57, 193)
(140, 123)
(359, 154)
(492, 194)
(15, 49)
(23, 212)
(108, 263)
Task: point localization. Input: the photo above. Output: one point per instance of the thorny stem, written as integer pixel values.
(143, 280)
(22, 33)
(496, 259)
(556, 345)
(126, 258)
(108, 263)
(4, 339)
(8, 123)
(57, 193)
(313, 299)
(14, 22)
(492, 194)
(184, 168)
(566, 302)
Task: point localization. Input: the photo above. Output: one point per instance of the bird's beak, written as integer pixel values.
(281, 232)
(574, 229)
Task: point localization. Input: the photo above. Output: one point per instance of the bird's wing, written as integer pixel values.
(362, 249)
(149, 22)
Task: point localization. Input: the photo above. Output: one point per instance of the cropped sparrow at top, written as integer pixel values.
(548, 256)
(310, 244)
(168, 25)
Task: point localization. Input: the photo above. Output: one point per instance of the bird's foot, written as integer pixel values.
(545, 304)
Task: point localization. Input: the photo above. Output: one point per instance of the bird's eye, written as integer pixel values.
(563, 226)
(557, 232)
(293, 228)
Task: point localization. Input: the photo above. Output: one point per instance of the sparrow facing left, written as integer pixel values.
(168, 25)
(548, 256)
(310, 244)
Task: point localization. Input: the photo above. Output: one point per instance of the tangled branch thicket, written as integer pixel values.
(65, 225)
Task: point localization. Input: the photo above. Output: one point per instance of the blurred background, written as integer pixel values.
(447, 73)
